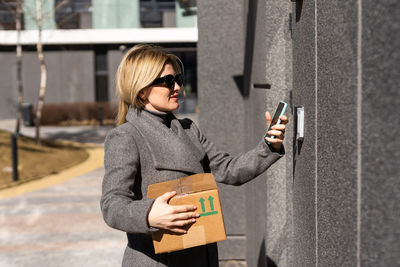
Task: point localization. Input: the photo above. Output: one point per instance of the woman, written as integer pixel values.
(150, 145)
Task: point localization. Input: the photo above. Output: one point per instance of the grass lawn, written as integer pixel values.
(36, 161)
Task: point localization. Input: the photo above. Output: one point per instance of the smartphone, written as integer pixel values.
(280, 110)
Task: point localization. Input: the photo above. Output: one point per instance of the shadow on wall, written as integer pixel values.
(299, 8)
(243, 80)
(264, 260)
(281, 248)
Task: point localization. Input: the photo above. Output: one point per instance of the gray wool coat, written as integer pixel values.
(151, 148)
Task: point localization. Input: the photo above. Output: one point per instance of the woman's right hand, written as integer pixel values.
(170, 217)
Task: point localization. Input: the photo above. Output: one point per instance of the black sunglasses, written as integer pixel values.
(169, 80)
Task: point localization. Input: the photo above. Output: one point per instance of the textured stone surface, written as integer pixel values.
(304, 243)
(319, 206)
(234, 248)
(233, 207)
(332, 120)
(256, 190)
(220, 57)
(269, 197)
(279, 176)
(380, 192)
(336, 126)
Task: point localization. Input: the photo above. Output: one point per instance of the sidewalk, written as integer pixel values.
(60, 225)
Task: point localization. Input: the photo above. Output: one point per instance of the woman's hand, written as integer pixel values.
(170, 217)
(277, 130)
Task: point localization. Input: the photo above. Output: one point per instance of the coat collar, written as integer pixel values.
(173, 148)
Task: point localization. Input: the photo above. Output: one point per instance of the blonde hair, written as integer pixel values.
(140, 66)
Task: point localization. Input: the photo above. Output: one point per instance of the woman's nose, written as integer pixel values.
(177, 88)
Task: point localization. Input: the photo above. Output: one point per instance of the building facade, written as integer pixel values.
(333, 200)
(84, 41)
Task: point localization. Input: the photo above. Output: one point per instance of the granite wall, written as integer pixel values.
(269, 197)
(379, 147)
(345, 190)
(333, 200)
(222, 118)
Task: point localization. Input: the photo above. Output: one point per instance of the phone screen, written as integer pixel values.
(280, 110)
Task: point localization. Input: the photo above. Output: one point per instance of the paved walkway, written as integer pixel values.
(61, 224)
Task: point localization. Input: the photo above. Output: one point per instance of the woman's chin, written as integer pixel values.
(176, 108)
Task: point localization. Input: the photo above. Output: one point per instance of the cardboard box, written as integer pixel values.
(199, 190)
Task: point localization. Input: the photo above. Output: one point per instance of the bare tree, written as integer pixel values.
(39, 17)
(43, 67)
(43, 71)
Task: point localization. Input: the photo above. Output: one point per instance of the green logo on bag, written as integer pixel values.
(203, 208)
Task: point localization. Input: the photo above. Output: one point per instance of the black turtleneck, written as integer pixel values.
(162, 116)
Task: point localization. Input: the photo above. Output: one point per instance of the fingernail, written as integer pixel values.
(193, 220)
(194, 207)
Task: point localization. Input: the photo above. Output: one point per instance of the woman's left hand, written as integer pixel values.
(277, 130)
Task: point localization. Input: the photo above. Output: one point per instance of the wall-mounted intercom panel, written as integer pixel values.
(300, 123)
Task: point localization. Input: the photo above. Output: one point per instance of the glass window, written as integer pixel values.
(153, 13)
(74, 14)
(7, 14)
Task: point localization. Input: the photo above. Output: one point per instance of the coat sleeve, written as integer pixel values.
(120, 207)
(238, 170)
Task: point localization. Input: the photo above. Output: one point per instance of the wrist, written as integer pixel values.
(148, 220)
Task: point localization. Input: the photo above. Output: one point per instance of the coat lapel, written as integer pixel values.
(171, 148)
